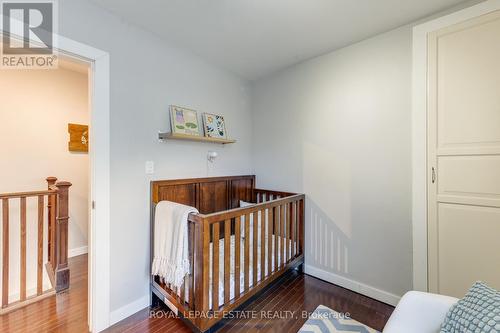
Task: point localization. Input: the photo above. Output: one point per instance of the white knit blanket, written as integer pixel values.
(171, 257)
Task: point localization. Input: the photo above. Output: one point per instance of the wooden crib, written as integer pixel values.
(257, 244)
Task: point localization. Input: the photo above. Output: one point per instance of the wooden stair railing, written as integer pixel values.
(57, 197)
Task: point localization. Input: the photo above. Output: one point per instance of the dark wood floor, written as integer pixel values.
(294, 292)
(67, 312)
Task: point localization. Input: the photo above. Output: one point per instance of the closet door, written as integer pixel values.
(464, 155)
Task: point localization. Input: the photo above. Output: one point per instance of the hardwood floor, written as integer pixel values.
(67, 312)
(294, 292)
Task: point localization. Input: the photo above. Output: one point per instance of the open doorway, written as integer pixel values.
(44, 125)
(98, 270)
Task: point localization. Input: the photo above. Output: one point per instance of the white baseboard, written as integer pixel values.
(356, 286)
(78, 251)
(128, 310)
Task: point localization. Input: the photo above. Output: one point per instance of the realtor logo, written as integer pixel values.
(28, 34)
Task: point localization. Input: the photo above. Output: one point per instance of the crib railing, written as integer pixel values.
(261, 195)
(56, 218)
(280, 233)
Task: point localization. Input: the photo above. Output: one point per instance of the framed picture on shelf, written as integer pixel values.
(215, 127)
(184, 121)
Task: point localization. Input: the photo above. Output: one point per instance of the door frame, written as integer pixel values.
(99, 226)
(419, 132)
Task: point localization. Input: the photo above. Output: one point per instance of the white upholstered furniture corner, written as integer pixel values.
(419, 312)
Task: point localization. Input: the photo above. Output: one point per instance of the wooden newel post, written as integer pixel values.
(51, 181)
(61, 269)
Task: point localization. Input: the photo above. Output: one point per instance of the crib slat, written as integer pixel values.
(247, 250)
(289, 232)
(39, 280)
(296, 228)
(255, 260)
(5, 252)
(201, 266)
(282, 234)
(23, 250)
(270, 241)
(300, 227)
(288, 229)
(237, 256)
(177, 291)
(227, 260)
(191, 260)
(294, 212)
(263, 244)
(183, 292)
(276, 237)
(286, 235)
(215, 267)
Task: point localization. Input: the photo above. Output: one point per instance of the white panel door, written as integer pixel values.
(464, 155)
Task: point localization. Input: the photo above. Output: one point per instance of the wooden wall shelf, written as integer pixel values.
(174, 136)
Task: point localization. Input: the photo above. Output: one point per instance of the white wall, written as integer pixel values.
(147, 75)
(353, 162)
(36, 107)
(338, 128)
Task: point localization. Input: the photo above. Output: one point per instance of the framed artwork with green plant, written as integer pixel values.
(215, 126)
(184, 121)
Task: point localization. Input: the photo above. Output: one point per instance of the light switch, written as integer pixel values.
(150, 167)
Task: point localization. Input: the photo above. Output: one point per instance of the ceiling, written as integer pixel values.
(253, 38)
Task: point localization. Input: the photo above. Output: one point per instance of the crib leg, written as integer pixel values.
(155, 300)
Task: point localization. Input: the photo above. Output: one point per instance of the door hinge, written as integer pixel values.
(433, 175)
(93, 204)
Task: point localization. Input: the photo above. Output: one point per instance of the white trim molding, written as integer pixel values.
(99, 228)
(419, 131)
(99, 240)
(129, 309)
(361, 288)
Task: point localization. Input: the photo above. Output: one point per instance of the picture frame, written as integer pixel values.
(214, 126)
(184, 121)
(78, 138)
